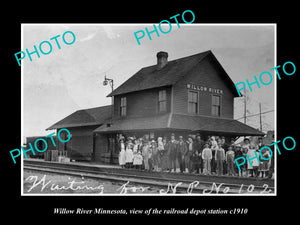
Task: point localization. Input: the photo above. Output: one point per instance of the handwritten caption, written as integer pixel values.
(128, 188)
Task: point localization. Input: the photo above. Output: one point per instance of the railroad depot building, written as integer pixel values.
(184, 96)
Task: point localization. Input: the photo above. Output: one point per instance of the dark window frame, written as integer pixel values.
(162, 100)
(123, 106)
(194, 102)
(216, 108)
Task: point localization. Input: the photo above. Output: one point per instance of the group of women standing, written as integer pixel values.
(143, 154)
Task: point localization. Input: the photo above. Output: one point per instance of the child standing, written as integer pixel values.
(263, 167)
(230, 161)
(206, 156)
(138, 160)
(265, 154)
(122, 154)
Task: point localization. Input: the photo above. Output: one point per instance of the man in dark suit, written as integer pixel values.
(172, 149)
(225, 146)
(198, 147)
(181, 153)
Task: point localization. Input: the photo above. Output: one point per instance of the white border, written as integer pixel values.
(139, 24)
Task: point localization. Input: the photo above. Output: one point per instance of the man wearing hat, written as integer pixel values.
(237, 154)
(181, 153)
(225, 146)
(245, 150)
(198, 148)
(172, 149)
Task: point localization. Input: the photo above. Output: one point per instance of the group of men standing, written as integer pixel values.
(198, 156)
(185, 153)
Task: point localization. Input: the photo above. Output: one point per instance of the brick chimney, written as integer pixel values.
(162, 59)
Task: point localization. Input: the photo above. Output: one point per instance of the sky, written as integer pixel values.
(70, 78)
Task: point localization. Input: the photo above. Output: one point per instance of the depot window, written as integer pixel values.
(162, 101)
(193, 102)
(123, 106)
(216, 105)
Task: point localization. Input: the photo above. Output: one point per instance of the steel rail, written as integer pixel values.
(119, 176)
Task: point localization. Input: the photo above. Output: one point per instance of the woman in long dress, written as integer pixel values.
(161, 153)
(165, 156)
(136, 155)
(253, 166)
(129, 154)
(154, 156)
(145, 154)
(122, 160)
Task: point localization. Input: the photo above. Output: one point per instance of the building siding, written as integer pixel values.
(142, 103)
(206, 74)
(81, 144)
(40, 145)
(101, 148)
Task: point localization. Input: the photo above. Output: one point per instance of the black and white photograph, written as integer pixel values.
(141, 111)
(136, 109)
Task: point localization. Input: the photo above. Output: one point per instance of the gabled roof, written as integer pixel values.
(152, 77)
(84, 117)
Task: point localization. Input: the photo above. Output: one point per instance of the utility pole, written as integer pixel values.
(245, 107)
(260, 122)
(111, 83)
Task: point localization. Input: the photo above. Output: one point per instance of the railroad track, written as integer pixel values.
(166, 182)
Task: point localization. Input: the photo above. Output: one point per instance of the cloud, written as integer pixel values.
(89, 37)
(109, 32)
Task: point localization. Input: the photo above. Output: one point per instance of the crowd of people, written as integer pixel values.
(211, 157)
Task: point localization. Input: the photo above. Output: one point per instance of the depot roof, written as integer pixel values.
(181, 122)
(84, 117)
(174, 70)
